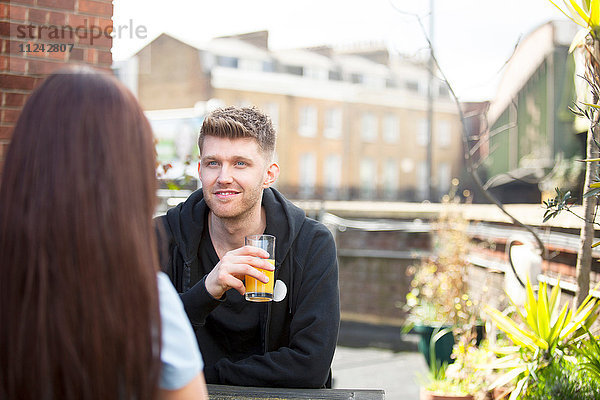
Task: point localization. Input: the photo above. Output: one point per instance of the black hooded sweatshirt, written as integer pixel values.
(295, 337)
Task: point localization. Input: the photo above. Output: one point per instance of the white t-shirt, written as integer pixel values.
(180, 356)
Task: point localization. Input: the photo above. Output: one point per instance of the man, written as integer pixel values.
(290, 341)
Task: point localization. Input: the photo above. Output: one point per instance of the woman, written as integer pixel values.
(79, 303)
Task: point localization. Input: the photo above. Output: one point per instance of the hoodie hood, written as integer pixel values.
(284, 221)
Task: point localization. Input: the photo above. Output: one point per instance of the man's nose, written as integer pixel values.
(225, 175)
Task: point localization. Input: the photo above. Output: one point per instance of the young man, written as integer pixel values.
(290, 341)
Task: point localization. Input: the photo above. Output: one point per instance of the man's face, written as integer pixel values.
(234, 173)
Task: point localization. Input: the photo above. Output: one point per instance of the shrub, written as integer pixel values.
(561, 379)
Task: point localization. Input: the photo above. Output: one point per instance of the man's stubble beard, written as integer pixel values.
(249, 201)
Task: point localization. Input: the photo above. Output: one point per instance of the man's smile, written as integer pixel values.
(226, 194)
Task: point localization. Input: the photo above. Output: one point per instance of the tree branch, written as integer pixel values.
(470, 166)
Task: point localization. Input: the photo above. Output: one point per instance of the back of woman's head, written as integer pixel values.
(78, 297)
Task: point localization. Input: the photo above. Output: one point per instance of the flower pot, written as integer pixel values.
(443, 347)
(427, 395)
(501, 392)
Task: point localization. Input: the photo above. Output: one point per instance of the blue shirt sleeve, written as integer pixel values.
(180, 356)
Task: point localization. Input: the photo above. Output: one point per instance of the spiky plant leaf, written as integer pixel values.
(508, 377)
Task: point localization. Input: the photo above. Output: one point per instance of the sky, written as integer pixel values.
(472, 39)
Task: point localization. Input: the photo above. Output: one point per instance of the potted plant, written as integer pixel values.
(466, 379)
(541, 337)
(439, 297)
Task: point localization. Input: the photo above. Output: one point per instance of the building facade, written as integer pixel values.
(532, 136)
(351, 124)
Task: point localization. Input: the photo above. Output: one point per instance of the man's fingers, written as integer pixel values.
(250, 251)
(238, 271)
(230, 271)
(255, 262)
(234, 283)
(255, 273)
(230, 280)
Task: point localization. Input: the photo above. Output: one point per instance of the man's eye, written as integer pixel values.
(211, 163)
(241, 164)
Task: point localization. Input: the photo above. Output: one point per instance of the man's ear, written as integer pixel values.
(271, 176)
(199, 165)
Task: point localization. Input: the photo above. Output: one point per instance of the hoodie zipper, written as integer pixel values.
(267, 323)
(269, 304)
(186, 278)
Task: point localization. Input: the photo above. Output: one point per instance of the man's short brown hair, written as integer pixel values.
(240, 122)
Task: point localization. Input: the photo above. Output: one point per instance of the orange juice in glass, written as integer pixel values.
(255, 289)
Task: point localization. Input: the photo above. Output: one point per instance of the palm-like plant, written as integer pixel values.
(589, 351)
(586, 15)
(545, 331)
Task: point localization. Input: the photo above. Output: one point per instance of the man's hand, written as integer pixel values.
(235, 264)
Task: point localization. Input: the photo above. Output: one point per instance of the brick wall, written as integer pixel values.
(372, 288)
(38, 37)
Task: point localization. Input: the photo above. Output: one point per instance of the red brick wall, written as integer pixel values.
(71, 32)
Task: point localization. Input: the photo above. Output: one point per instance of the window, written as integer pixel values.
(229, 62)
(185, 140)
(335, 75)
(272, 110)
(369, 127)
(443, 91)
(333, 123)
(417, 86)
(250, 65)
(356, 78)
(422, 132)
(333, 175)
(268, 66)
(413, 86)
(391, 129)
(368, 178)
(444, 135)
(444, 178)
(308, 170)
(390, 179)
(307, 125)
(316, 73)
(294, 70)
(422, 184)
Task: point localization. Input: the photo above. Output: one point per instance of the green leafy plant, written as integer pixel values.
(438, 380)
(439, 294)
(561, 202)
(470, 368)
(544, 333)
(437, 368)
(439, 290)
(468, 375)
(562, 379)
(184, 181)
(589, 352)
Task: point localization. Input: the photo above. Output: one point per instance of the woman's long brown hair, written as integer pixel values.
(78, 298)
